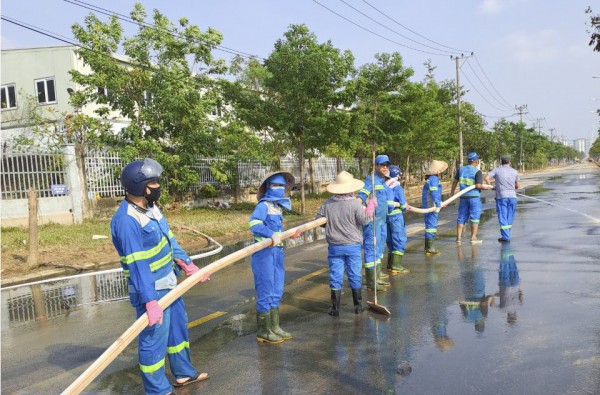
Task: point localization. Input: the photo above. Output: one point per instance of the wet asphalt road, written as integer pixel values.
(537, 333)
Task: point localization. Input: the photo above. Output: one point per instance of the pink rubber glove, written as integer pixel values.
(155, 313)
(188, 269)
(371, 207)
(296, 234)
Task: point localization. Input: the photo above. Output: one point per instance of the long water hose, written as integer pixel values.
(561, 207)
(127, 337)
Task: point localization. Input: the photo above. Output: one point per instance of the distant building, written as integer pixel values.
(582, 145)
(43, 74)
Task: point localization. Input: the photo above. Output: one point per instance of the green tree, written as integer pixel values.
(294, 97)
(163, 86)
(378, 121)
(595, 32)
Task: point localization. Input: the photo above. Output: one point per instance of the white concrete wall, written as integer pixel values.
(51, 209)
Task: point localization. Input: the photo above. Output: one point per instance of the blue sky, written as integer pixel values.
(527, 52)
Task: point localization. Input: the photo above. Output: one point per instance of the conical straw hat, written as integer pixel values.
(436, 167)
(345, 183)
(289, 178)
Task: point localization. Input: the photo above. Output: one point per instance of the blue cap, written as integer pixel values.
(472, 156)
(381, 159)
(395, 171)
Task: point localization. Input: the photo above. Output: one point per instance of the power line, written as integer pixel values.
(484, 85)
(377, 34)
(483, 97)
(492, 85)
(126, 18)
(394, 31)
(410, 30)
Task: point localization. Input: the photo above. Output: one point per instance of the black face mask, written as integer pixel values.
(153, 196)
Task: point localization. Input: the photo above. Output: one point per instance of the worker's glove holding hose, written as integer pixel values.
(276, 238)
(188, 268)
(370, 210)
(155, 313)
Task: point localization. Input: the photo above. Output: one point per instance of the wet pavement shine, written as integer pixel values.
(515, 318)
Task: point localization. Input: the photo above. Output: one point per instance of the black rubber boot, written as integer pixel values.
(371, 281)
(275, 325)
(429, 247)
(396, 265)
(336, 295)
(357, 298)
(264, 333)
(381, 279)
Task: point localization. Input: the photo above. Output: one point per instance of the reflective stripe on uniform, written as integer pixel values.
(142, 255)
(148, 369)
(467, 181)
(177, 348)
(254, 222)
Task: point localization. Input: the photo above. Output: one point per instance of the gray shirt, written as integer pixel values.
(345, 219)
(506, 178)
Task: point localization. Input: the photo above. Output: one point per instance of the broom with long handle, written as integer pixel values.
(374, 305)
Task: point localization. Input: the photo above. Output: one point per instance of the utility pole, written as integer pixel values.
(521, 110)
(539, 124)
(458, 120)
(552, 130)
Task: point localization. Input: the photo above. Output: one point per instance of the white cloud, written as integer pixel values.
(491, 6)
(536, 47)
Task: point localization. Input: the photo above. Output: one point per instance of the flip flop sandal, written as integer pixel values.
(191, 380)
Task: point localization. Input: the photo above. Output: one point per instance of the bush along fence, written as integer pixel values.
(57, 180)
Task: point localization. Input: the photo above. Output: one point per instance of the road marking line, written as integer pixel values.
(207, 318)
(311, 275)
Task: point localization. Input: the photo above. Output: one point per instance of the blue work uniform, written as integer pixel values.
(268, 263)
(508, 282)
(396, 231)
(146, 247)
(384, 197)
(469, 207)
(506, 197)
(431, 196)
(473, 285)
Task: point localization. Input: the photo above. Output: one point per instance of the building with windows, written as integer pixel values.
(39, 77)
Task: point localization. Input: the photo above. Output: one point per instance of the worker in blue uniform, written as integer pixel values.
(266, 222)
(469, 208)
(396, 231)
(152, 259)
(373, 254)
(431, 196)
(507, 182)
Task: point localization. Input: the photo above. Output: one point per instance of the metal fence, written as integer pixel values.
(102, 169)
(21, 171)
(42, 170)
(53, 298)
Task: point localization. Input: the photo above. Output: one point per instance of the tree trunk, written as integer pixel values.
(32, 257)
(311, 172)
(236, 188)
(80, 159)
(302, 180)
(407, 172)
(338, 164)
(360, 167)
